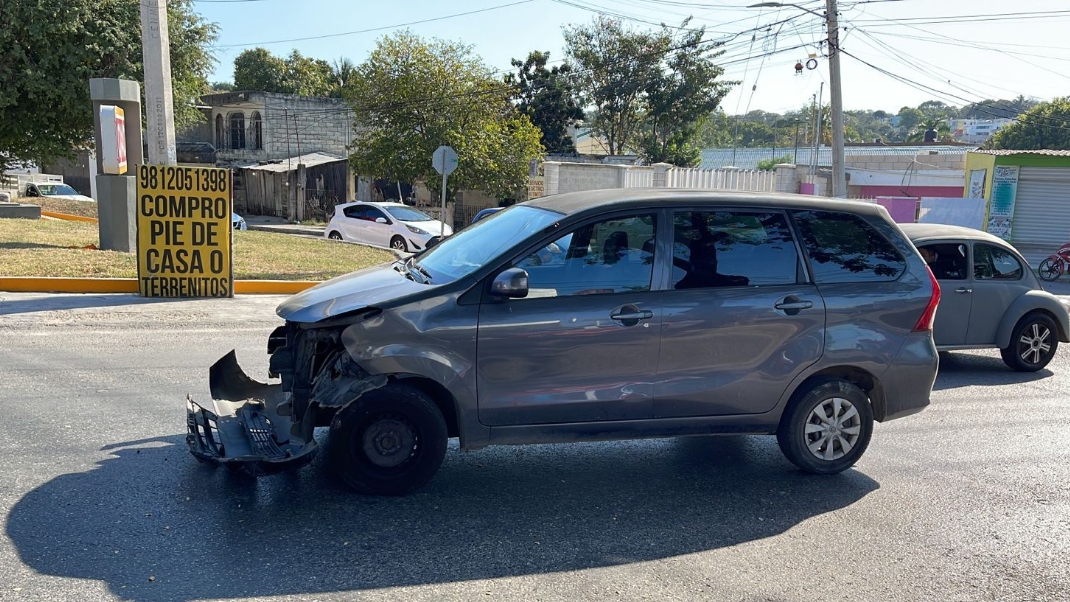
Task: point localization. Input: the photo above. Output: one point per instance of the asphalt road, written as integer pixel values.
(969, 500)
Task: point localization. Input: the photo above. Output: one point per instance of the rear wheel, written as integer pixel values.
(398, 244)
(390, 441)
(334, 236)
(826, 429)
(1033, 343)
(1050, 269)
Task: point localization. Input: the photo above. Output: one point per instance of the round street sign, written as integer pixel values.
(444, 160)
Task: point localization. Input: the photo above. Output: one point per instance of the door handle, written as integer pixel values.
(642, 314)
(793, 305)
(964, 290)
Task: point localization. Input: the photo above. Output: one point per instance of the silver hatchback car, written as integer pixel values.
(612, 314)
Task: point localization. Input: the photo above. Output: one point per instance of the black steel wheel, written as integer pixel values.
(390, 441)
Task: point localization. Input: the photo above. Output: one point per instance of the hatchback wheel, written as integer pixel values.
(334, 236)
(827, 428)
(398, 244)
(390, 441)
(1033, 343)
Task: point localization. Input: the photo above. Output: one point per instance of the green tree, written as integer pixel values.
(937, 125)
(53, 47)
(258, 69)
(411, 96)
(769, 164)
(1045, 126)
(910, 118)
(221, 87)
(614, 67)
(548, 98)
(679, 95)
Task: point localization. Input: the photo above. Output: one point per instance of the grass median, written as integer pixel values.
(57, 248)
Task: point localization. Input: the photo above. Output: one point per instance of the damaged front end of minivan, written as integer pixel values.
(260, 428)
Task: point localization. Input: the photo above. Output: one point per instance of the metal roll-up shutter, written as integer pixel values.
(1042, 207)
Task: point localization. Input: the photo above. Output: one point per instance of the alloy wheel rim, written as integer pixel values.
(399, 245)
(1033, 344)
(832, 429)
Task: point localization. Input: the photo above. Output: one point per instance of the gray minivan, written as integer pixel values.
(612, 314)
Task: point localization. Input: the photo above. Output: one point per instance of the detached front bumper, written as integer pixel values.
(250, 428)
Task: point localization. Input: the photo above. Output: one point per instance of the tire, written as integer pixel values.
(334, 236)
(398, 244)
(846, 411)
(1050, 269)
(1034, 341)
(390, 441)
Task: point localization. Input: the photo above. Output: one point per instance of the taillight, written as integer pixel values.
(925, 322)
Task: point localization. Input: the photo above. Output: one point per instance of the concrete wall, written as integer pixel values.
(574, 177)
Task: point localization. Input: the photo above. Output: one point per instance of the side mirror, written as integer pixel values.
(381, 220)
(512, 284)
(32, 192)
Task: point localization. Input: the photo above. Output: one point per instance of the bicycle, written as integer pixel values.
(1054, 265)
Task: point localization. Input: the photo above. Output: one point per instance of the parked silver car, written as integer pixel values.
(991, 299)
(611, 314)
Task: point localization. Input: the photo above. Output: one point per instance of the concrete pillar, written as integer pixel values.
(551, 171)
(117, 213)
(117, 194)
(785, 178)
(661, 175)
(156, 56)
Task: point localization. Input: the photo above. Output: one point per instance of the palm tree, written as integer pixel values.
(937, 125)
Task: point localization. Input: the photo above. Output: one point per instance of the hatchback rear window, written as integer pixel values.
(845, 248)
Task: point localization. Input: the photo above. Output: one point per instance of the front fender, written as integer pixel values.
(1031, 301)
(434, 339)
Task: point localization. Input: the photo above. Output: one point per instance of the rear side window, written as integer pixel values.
(845, 248)
(732, 248)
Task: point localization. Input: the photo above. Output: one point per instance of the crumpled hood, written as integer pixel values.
(365, 288)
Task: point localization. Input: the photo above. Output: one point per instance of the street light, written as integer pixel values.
(839, 177)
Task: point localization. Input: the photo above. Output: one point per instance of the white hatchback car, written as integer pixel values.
(393, 225)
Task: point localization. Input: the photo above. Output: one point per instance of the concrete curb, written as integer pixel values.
(68, 217)
(30, 284)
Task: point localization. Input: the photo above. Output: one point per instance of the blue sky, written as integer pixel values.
(950, 60)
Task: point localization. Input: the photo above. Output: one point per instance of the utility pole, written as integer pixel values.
(159, 107)
(839, 177)
(839, 174)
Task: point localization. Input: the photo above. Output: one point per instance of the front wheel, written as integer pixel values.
(335, 235)
(390, 441)
(398, 244)
(826, 429)
(1033, 343)
(1050, 269)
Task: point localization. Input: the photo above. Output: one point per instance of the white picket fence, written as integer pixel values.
(722, 179)
(639, 177)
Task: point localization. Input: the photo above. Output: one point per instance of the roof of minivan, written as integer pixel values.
(574, 202)
(944, 231)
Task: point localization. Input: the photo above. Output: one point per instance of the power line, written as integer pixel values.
(373, 29)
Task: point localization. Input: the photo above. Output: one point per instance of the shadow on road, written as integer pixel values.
(975, 370)
(151, 511)
(74, 301)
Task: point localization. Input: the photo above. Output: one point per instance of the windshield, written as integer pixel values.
(50, 189)
(469, 249)
(404, 214)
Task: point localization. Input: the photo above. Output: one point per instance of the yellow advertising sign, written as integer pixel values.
(184, 233)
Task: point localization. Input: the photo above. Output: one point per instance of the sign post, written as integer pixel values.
(184, 236)
(444, 160)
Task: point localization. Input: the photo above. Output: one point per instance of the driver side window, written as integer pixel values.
(611, 256)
